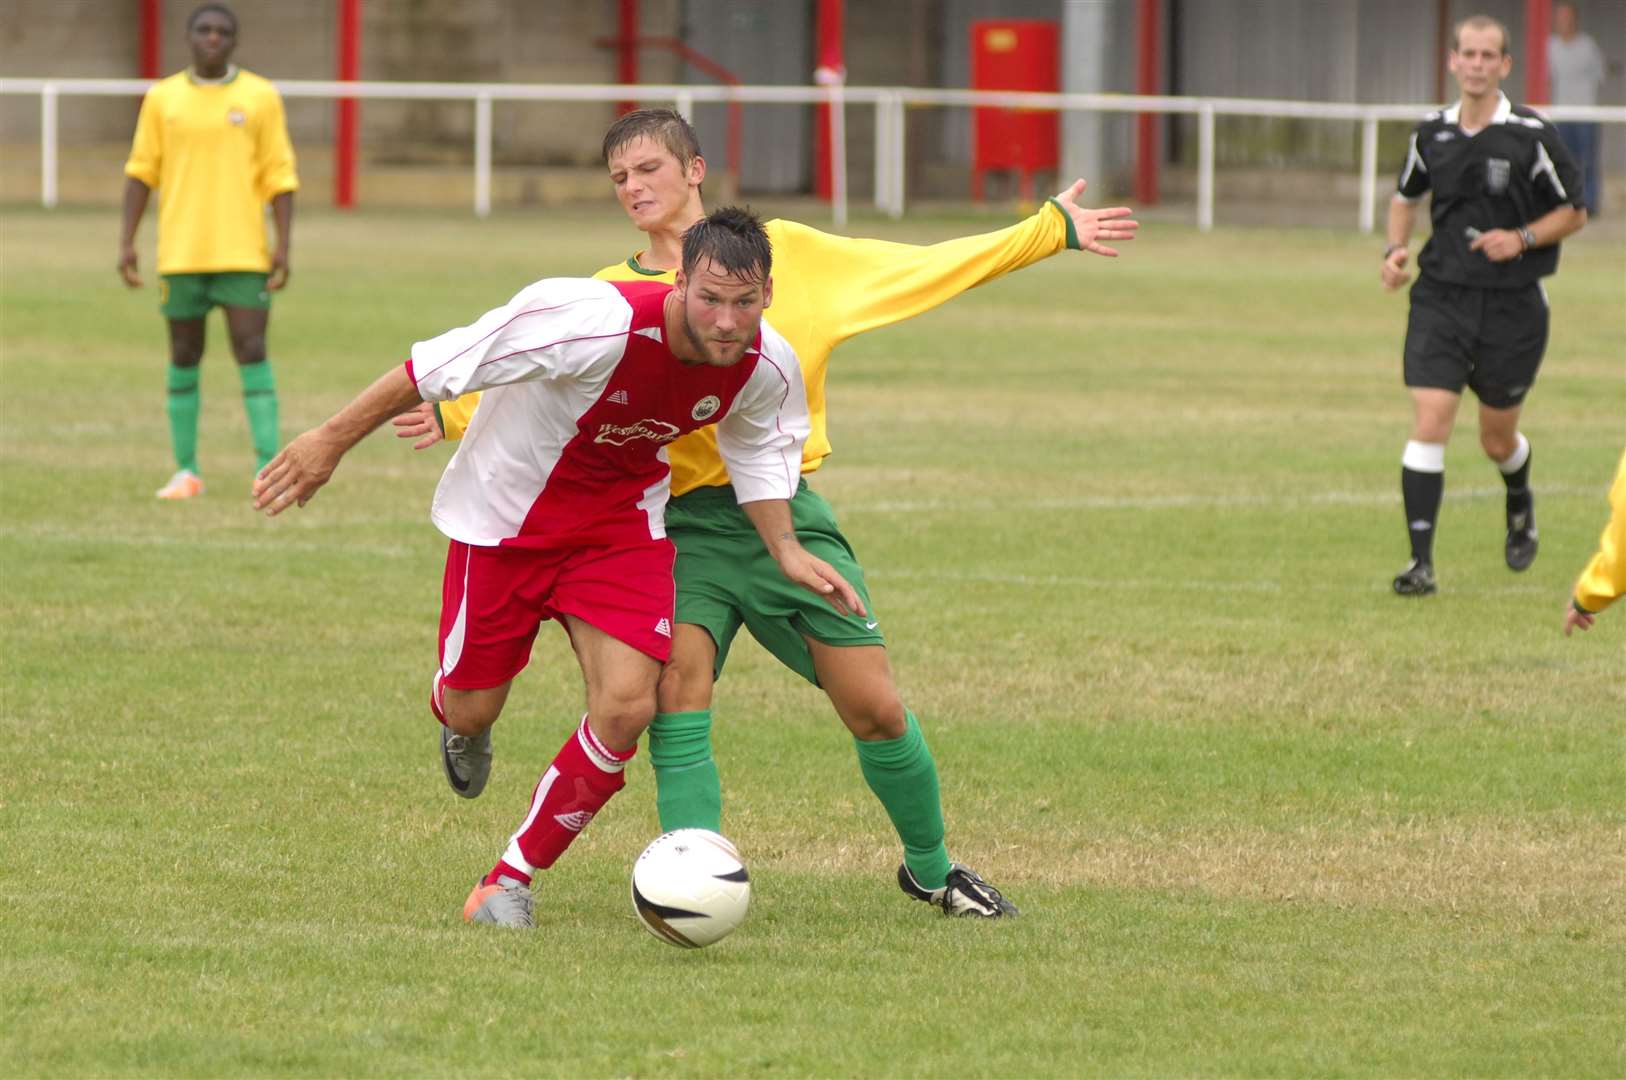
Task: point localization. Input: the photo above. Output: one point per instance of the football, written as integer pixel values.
(690, 888)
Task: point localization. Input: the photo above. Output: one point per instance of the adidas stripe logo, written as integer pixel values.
(575, 821)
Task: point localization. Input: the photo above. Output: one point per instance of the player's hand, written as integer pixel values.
(1394, 269)
(1097, 228)
(1576, 619)
(421, 424)
(127, 266)
(817, 576)
(293, 476)
(1498, 245)
(278, 277)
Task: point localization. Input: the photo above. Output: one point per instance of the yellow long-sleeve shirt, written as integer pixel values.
(828, 288)
(1604, 579)
(216, 153)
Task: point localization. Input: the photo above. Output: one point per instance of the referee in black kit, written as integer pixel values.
(1505, 193)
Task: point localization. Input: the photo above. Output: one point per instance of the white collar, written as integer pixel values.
(1504, 109)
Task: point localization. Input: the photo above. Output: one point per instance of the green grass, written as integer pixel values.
(1130, 527)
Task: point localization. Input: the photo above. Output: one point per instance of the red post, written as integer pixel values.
(344, 131)
(1148, 80)
(1538, 24)
(627, 68)
(152, 20)
(831, 71)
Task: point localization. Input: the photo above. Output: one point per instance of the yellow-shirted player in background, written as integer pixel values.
(826, 289)
(1604, 579)
(214, 143)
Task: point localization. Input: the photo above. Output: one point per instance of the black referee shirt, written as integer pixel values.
(1504, 176)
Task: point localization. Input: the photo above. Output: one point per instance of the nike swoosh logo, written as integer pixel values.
(451, 773)
(871, 625)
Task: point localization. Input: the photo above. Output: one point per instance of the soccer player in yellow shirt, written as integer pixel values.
(213, 141)
(826, 289)
(1604, 579)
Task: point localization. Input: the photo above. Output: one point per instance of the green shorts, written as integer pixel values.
(725, 578)
(190, 296)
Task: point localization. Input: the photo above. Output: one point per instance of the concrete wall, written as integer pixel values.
(1365, 50)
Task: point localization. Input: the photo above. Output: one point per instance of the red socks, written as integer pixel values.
(581, 779)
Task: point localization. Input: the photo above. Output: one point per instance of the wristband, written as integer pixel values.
(1527, 236)
(1392, 248)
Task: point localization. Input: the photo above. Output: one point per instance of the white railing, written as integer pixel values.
(889, 104)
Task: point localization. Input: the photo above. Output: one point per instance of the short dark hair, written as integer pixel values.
(1480, 22)
(664, 126)
(733, 240)
(220, 9)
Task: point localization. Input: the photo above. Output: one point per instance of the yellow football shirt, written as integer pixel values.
(216, 154)
(828, 288)
(1604, 579)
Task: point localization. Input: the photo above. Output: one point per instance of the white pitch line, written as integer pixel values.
(1048, 581)
(1178, 502)
(165, 540)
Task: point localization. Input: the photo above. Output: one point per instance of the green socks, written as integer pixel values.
(903, 776)
(688, 793)
(260, 402)
(900, 771)
(183, 416)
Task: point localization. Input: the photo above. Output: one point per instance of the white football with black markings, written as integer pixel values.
(690, 888)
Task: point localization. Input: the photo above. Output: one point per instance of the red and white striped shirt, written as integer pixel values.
(570, 449)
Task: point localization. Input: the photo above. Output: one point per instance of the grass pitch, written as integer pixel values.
(1129, 526)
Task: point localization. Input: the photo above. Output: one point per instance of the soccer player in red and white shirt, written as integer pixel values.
(553, 503)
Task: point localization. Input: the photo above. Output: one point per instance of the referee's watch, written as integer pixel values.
(1527, 236)
(1392, 248)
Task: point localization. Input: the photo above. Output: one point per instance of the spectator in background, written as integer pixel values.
(1575, 65)
(1604, 579)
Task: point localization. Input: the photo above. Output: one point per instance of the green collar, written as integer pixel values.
(232, 71)
(635, 267)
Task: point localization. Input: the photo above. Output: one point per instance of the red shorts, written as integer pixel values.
(493, 600)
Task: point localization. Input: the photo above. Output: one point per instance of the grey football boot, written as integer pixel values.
(507, 903)
(964, 893)
(467, 761)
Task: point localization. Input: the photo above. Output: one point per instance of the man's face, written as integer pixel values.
(212, 39)
(654, 187)
(1564, 20)
(722, 312)
(1478, 61)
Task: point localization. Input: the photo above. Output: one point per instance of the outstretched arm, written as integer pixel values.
(1093, 230)
(773, 523)
(304, 465)
(858, 285)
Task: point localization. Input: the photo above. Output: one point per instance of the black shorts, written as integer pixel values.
(1491, 340)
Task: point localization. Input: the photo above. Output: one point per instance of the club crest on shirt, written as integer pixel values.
(706, 407)
(1444, 136)
(235, 117)
(1497, 171)
(618, 435)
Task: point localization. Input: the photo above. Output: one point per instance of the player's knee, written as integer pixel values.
(882, 717)
(1498, 446)
(471, 713)
(186, 354)
(685, 686)
(620, 718)
(249, 349)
